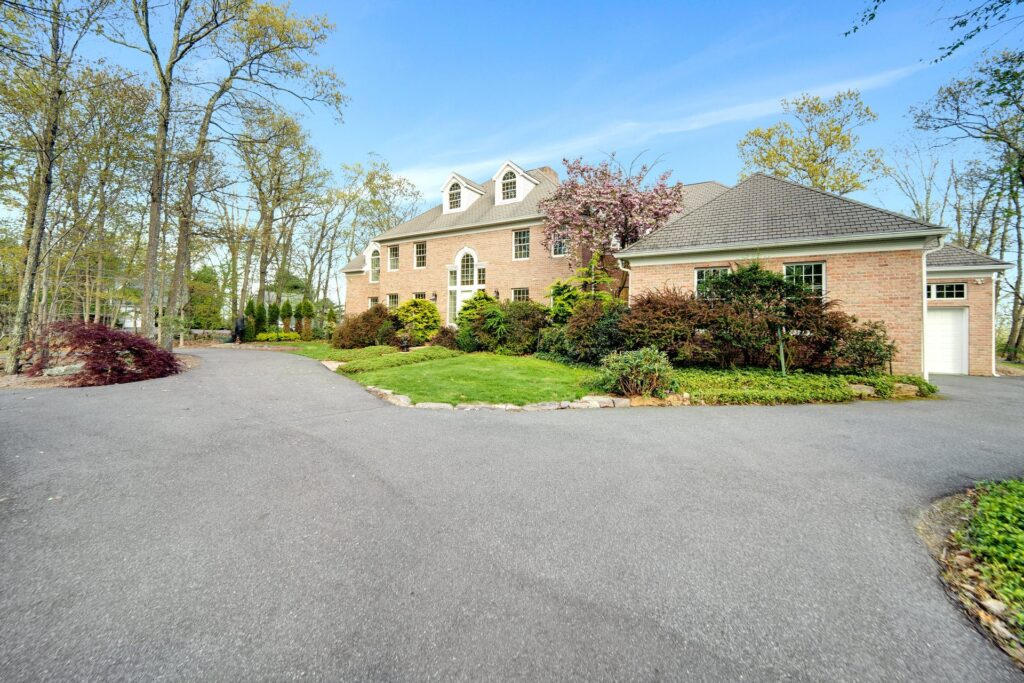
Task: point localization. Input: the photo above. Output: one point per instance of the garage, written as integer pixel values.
(945, 336)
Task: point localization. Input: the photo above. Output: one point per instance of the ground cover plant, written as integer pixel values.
(280, 336)
(108, 356)
(994, 535)
(764, 386)
(483, 378)
(394, 360)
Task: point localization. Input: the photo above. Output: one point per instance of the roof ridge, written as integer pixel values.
(833, 195)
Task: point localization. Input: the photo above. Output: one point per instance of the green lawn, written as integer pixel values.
(321, 350)
(482, 378)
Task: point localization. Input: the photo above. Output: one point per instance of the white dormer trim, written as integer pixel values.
(470, 193)
(366, 260)
(524, 183)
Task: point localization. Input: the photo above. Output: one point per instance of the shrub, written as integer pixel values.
(564, 297)
(865, 348)
(669, 320)
(508, 327)
(525, 321)
(364, 329)
(645, 372)
(260, 318)
(112, 356)
(394, 360)
(553, 344)
(420, 318)
(446, 338)
(273, 316)
(592, 331)
(304, 314)
(277, 336)
(286, 316)
(348, 355)
(250, 321)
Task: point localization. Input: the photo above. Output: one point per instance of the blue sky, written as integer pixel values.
(437, 87)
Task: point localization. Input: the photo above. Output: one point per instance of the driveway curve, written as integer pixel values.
(259, 517)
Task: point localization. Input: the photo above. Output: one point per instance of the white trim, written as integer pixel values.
(532, 220)
(529, 245)
(696, 282)
(972, 269)
(924, 308)
(564, 245)
(961, 273)
(425, 253)
(994, 373)
(798, 247)
(522, 188)
(398, 258)
(510, 165)
(367, 258)
(965, 359)
(929, 288)
(824, 273)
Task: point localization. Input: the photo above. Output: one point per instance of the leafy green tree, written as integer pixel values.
(260, 317)
(273, 316)
(822, 150)
(250, 321)
(205, 300)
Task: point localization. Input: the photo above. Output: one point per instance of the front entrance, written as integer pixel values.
(464, 280)
(945, 339)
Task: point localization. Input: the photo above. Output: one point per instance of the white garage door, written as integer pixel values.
(945, 335)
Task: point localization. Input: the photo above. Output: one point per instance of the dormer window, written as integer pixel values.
(375, 266)
(454, 196)
(508, 186)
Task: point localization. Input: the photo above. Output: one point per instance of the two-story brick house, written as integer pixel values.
(938, 302)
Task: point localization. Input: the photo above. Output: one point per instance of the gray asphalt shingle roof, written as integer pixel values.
(484, 211)
(953, 255)
(766, 210)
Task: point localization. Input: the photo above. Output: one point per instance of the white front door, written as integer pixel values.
(945, 339)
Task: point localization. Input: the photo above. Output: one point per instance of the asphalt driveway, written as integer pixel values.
(259, 517)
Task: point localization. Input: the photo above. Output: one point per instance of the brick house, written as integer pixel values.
(936, 301)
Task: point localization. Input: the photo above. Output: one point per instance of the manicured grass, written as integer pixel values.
(395, 360)
(995, 537)
(321, 350)
(482, 378)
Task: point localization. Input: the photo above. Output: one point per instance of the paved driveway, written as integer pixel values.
(261, 518)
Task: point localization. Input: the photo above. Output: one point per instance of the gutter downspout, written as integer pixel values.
(924, 312)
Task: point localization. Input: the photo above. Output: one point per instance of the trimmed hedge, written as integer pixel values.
(277, 336)
(419, 318)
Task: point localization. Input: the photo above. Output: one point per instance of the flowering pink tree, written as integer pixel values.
(599, 209)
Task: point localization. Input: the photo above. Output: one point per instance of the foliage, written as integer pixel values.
(762, 387)
(864, 348)
(394, 360)
(250, 321)
(508, 327)
(598, 208)
(304, 314)
(483, 378)
(273, 315)
(445, 337)
(205, 300)
(111, 356)
(421, 318)
(669, 320)
(260, 318)
(286, 315)
(884, 385)
(823, 151)
(592, 332)
(370, 328)
(471, 320)
(564, 297)
(644, 372)
(280, 336)
(348, 355)
(995, 537)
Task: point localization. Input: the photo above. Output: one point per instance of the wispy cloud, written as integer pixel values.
(429, 177)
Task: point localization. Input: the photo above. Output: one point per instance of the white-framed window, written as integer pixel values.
(508, 185)
(521, 245)
(702, 274)
(453, 303)
(392, 301)
(467, 269)
(419, 295)
(947, 290)
(421, 255)
(810, 275)
(520, 294)
(393, 257)
(453, 278)
(372, 301)
(559, 248)
(374, 266)
(454, 196)
(481, 276)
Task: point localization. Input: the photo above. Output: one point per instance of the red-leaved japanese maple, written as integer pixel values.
(110, 356)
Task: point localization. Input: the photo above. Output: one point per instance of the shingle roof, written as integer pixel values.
(484, 211)
(953, 256)
(766, 210)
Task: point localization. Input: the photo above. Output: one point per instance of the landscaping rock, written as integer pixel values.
(331, 365)
(546, 405)
(63, 370)
(601, 401)
(864, 391)
(583, 405)
(399, 400)
(901, 390)
(434, 406)
(996, 607)
(677, 399)
(563, 404)
(963, 560)
(512, 408)
(999, 628)
(644, 401)
(619, 402)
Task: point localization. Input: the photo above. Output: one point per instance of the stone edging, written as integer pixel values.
(585, 403)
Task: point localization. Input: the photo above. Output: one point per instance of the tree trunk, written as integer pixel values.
(45, 163)
(156, 196)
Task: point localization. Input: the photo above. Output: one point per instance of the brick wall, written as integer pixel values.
(884, 285)
(979, 304)
(494, 252)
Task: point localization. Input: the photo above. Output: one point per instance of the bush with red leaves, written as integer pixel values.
(110, 356)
